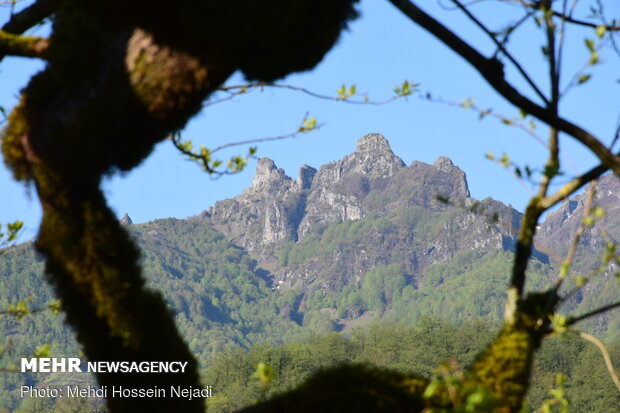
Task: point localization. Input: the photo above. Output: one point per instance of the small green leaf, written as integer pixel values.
(584, 78)
(489, 156)
(594, 58)
(589, 44)
(559, 323)
(55, 306)
(42, 351)
(600, 31)
(580, 280)
(505, 160)
(523, 113)
(467, 103)
(598, 212)
(431, 389)
(264, 373)
(587, 221)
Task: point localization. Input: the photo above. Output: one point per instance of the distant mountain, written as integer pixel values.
(369, 234)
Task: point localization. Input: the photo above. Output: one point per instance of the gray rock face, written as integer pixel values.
(126, 220)
(306, 176)
(560, 225)
(263, 214)
(339, 187)
(372, 180)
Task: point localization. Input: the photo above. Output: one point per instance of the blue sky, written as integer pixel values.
(380, 50)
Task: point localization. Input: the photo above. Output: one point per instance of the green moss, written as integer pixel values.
(12, 144)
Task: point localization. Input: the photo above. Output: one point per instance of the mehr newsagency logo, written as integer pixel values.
(75, 365)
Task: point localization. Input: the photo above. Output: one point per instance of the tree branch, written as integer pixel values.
(601, 346)
(500, 47)
(30, 16)
(573, 186)
(24, 46)
(600, 310)
(492, 71)
(25, 19)
(570, 19)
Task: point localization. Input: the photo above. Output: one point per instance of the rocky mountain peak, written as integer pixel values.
(276, 208)
(267, 174)
(126, 219)
(444, 164)
(373, 143)
(306, 176)
(373, 157)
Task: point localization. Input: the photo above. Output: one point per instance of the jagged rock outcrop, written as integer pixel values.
(276, 208)
(268, 212)
(372, 183)
(126, 219)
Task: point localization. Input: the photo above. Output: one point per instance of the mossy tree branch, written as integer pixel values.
(115, 85)
(29, 17)
(24, 46)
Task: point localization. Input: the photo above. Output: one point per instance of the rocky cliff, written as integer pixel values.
(411, 216)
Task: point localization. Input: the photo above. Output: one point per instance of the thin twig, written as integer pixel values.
(572, 20)
(492, 71)
(501, 47)
(259, 140)
(601, 346)
(245, 87)
(570, 256)
(600, 310)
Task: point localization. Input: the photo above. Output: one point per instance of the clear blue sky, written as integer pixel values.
(381, 49)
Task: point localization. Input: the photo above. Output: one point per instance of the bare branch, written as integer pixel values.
(572, 20)
(501, 47)
(570, 256)
(241, 89)
(492, 71)
(600, 310)
(30, 16)
(237, 163)
(572, 187)
(601, 346)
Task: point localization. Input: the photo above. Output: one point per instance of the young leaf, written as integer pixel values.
(584, 78)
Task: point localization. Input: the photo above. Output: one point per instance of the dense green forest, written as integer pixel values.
(241, 376)
(417, 349)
